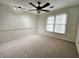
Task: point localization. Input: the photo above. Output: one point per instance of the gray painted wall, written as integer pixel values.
(14, 24)
(77, 37)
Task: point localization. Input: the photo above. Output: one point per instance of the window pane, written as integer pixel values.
(50, 28)
(60, 28)
(61, 19)
(50, 20)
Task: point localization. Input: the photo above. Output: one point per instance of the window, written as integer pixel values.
(57, 23)
(50, 23)
(60, 23)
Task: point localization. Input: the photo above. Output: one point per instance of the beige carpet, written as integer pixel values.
(37, 46)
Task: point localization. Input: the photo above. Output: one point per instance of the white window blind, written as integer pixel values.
(60, 23)
(57, 23)
(50, 23)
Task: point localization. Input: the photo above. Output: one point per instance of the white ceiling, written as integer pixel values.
(56, 3)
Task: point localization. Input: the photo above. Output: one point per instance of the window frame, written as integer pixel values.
(55, 22)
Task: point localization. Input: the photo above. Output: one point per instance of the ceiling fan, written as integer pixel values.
(40, 8)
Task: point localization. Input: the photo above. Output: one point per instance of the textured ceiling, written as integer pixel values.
(56, 3)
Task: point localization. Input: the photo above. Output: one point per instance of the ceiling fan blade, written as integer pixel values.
(32, 4)
(47, 4)
(33, 10)
(46, 10)
(51, 7)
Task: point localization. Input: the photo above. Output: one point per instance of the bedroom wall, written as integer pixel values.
(71, 27)
(77, 37)
(15, 25)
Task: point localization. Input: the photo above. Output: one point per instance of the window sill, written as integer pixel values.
(56, 33)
